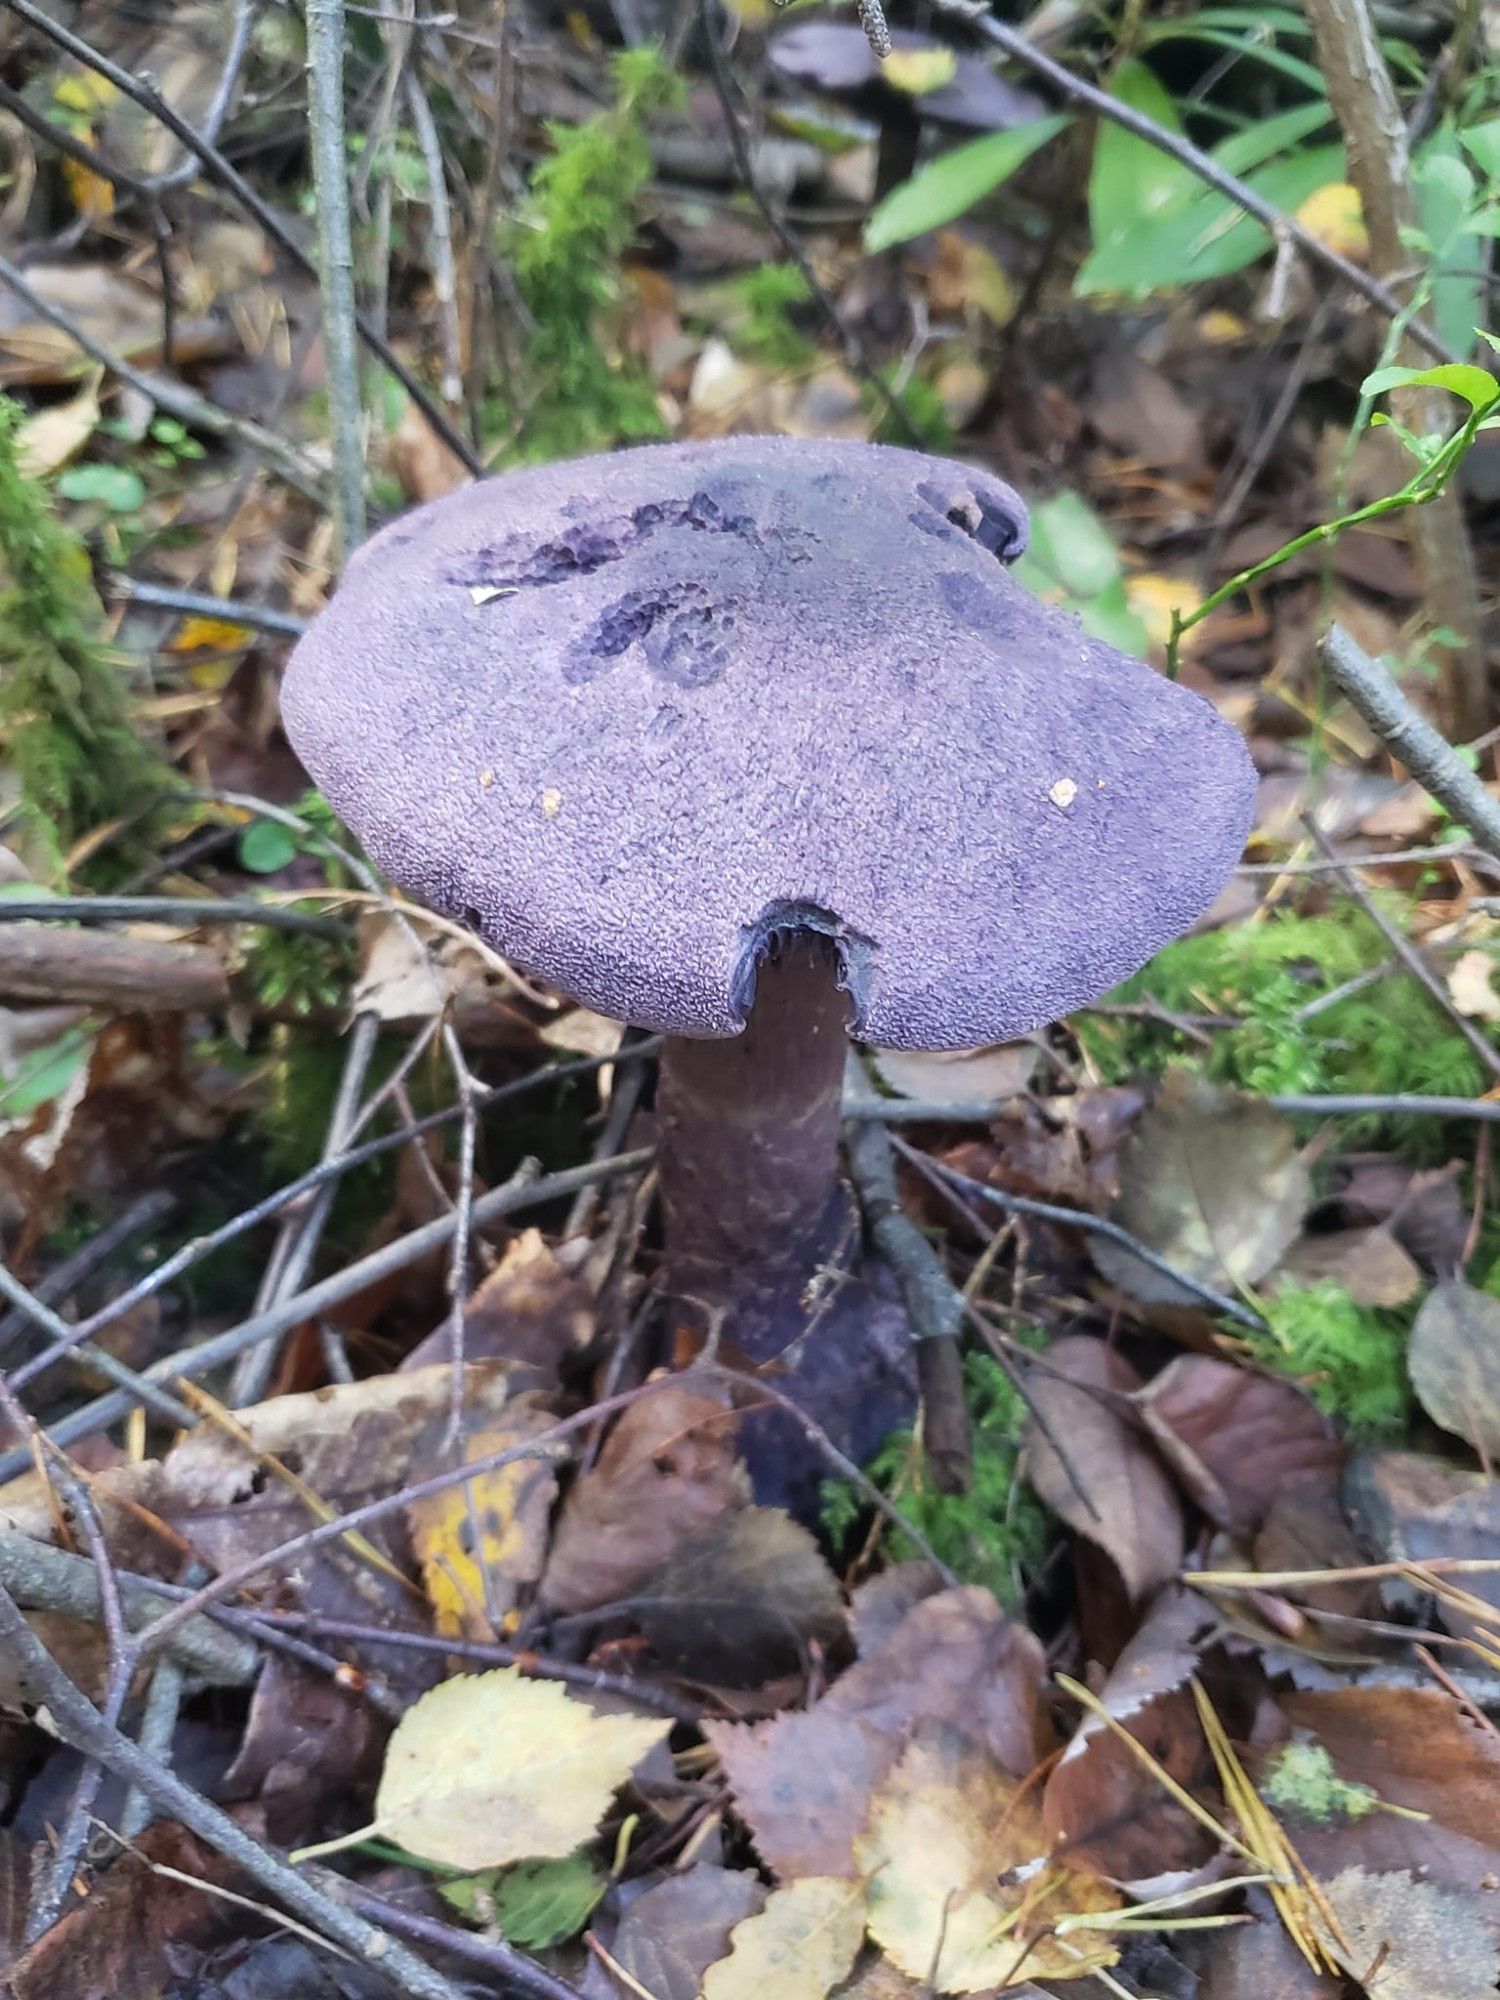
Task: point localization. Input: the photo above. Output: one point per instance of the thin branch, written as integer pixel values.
(1408, 954)
(150, 99)
(984, 1110)
(184, 910)
(1090, 1225)
(854, 353)
(80, 1724)
(147, 1212)
(170, 395)
(198, 604)
(1411, 738)
(1284, 228)
(325, 103)
(524, 1190)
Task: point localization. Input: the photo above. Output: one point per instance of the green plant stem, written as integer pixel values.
(1424, 486)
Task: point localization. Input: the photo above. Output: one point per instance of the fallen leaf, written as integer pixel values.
(959, 1888)
(1259, 1961)
(582, 1032)
(918, 70)
(1422, 1207)
(529, 1313)
(49, 438)
(1453, 1358)
(675, 1930)
(1126, 1505)
(480, 1543)
(1212, 1181)
(746, 1598)
(798, 1947)
(487, 1769)
(803, 1780)
(1413, 1747)
(1471, 986)
(1333, 215)
(666, 1471)
(1411, 1508)
(1004, 1070)
(1370, 1264)
(1401, 1939)
(1237, 1439)
(1103, 1810)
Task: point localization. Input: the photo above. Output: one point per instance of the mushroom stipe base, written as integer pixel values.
(764, 1255)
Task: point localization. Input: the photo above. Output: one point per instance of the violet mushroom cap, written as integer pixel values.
(835, 57)
(630, 717)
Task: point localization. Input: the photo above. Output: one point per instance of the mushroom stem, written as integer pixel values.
(751, 1192)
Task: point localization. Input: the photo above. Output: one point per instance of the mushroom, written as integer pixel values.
(755, 742)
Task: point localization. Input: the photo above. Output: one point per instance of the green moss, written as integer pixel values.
(64, 715)
(580, 390)
(1301, 1779)
(767, 297)
(1350, 1358)
(1388, 1037)
(996, 1534)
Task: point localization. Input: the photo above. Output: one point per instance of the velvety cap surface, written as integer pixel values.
(628, 716)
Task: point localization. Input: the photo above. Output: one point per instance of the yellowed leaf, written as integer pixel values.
(493, 1768)
(209, 635)
(917, 71)
(93, 194)
(959, 1887)
(479, 1542)
(1333, 215)
(1154, 598)
(48, 439)
(1471, 985)
(800, 1946)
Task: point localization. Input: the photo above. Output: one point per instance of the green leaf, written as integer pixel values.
(1446, 192)
(266, 848)
(536, 1904)
(1070, 547)
(111, 486)
(1132, 179)
(947, 186)
(43, 1074)
(1476, 386)
(1482, 143)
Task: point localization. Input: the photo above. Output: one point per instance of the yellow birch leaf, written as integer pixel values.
(488, 1769)
(960, 1889)
(1333, 215)
(799, 1947)
(209, 635)
(47, 440)
(917, 71)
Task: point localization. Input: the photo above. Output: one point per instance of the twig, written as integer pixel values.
(853, 350)
(136, 1388)
(1364, 102)
(97, 968)
(325, 104)
(1284, 228)
(440, 230)
(511, 1966)
(170, 395)
(984, 1110)
(79, 1723)
(143, 1214)
(185, 910)
(523, 1191)
(43, 1578)
(158, 1726)
(271, 1205)
(1400, 857)
(213, 122)
(1408, 954)
(150, 99)
(1411, 738)
(1091, 1225)
(300, 1235)
(198, 604)
(933, 1305)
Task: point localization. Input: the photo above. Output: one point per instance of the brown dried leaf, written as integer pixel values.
(673, 1932)
(746, 1598)
(955, 1862)
(1127, 1505)
(1423, 1209)
(803, 1781)
(1238, 1439)
(1413, 1747)
(1370, 1264)
(1259, 1961)
(481, 1543)
(948, 1074)
(1413, 1508)
(667, 1471)
(529, 1312)
(1103, 1810)
(1453, 1358)
(1400, 1939)
(1212, 1181)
